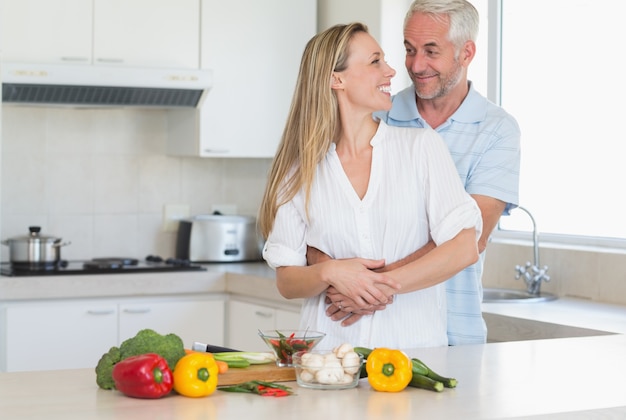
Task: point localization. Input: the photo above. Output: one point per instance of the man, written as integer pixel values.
(484, 141)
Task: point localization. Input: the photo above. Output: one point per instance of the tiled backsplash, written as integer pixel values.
(588, 274)
(100, 178)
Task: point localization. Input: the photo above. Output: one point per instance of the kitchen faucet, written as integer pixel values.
(531, 273)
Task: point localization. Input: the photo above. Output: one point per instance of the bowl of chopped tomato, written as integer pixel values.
(285, 344)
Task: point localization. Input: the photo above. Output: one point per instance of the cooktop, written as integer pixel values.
(108, 265)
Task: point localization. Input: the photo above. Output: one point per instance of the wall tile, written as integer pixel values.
(159, 182)
(116, 235)
(201, 185)
(100, 179)
(116, 185)
(77, 229)
(70, 184)
(23, 129)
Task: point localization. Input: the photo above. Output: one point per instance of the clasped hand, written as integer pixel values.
(357, 290)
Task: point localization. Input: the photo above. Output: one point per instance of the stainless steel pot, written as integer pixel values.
(34, 248)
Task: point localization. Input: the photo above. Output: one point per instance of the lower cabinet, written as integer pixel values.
(246, 319)
(68, 334)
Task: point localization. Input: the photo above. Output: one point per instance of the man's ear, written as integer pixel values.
(467, 53)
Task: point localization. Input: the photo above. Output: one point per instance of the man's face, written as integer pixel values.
(431, 59)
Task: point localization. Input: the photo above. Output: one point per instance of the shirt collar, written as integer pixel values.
(472, 108)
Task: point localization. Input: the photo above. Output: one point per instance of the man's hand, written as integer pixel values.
(338, 312)
(345, 309)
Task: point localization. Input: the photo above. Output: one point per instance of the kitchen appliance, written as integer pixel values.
(100, 85)
(106, 265)
(34, 251)
(218, 238)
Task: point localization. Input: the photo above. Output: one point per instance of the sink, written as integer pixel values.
(491, 295)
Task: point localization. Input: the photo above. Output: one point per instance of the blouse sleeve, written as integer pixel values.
(286, 245)
(450, 208)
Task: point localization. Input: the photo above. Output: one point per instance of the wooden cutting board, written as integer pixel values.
(268, 372)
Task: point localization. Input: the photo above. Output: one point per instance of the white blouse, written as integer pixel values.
(414, 193)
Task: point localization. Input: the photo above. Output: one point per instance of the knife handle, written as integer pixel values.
(198, 346)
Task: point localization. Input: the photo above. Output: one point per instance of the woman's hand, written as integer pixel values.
(355, 279)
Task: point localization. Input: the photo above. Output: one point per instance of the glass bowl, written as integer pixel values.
(314, 370)
(286, 343)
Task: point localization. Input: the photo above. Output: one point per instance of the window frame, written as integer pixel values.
(494, 94)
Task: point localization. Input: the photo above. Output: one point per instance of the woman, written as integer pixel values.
(363, 193)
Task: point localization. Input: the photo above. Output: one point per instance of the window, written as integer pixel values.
(561, 79)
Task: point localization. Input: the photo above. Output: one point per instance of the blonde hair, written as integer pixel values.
(312, 124)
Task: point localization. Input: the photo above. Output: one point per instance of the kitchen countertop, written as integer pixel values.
(255, 280)
(568, 378)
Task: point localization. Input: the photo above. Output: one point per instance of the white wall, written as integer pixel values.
(100, 179)
(384, 19)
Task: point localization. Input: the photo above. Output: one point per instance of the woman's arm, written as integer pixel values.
(439, 264)
(352, 277)
(436, 266)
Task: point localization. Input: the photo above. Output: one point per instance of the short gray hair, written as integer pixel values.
(463, 17)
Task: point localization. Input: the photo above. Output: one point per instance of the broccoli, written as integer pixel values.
(104, 369)
(169, 346)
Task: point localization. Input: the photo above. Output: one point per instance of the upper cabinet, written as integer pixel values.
(46, 31)
(156, 33)
(254, 49)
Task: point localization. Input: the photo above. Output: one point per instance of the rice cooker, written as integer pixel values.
(218, 238)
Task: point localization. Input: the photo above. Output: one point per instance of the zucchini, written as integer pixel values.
(421, 368)
(424, 382)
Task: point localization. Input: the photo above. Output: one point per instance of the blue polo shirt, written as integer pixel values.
(484, 141)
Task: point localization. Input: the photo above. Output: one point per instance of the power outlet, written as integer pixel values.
(224, 208)
(172, 214)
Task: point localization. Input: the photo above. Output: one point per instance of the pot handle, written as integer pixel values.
(5, 242)
(59, 245)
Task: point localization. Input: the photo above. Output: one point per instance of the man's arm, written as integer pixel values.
(491, 209)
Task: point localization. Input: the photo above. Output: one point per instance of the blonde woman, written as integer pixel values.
(365, 194)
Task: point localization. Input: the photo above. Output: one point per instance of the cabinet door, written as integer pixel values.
(46, 31)
(59, 335)
(245, 321)
(155, 33)
(254, 49)
(287, 320)
(192, 320)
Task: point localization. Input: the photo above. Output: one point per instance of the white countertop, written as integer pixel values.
(569, 378)
(256, 280)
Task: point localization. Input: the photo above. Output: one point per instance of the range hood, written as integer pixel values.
(106, 86)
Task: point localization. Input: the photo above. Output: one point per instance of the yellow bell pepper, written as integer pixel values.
(195, 375)
(388, 370)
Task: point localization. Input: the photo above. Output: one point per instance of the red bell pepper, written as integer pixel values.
(143, 376)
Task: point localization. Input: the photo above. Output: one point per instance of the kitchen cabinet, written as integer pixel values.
(254, 56)
(59, 335)
(68, 334)
(247, 318)
(154, 33)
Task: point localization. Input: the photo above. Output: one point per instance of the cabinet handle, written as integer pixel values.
(136, 310)
(75, 59)
(100, 311)
(264, 314)
(222, 151)
(110, 60)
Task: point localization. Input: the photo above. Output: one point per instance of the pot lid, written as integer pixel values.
(35, 235)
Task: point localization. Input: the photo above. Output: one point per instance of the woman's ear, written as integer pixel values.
(335, 81)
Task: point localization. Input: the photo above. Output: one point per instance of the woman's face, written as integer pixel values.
(366, 82)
